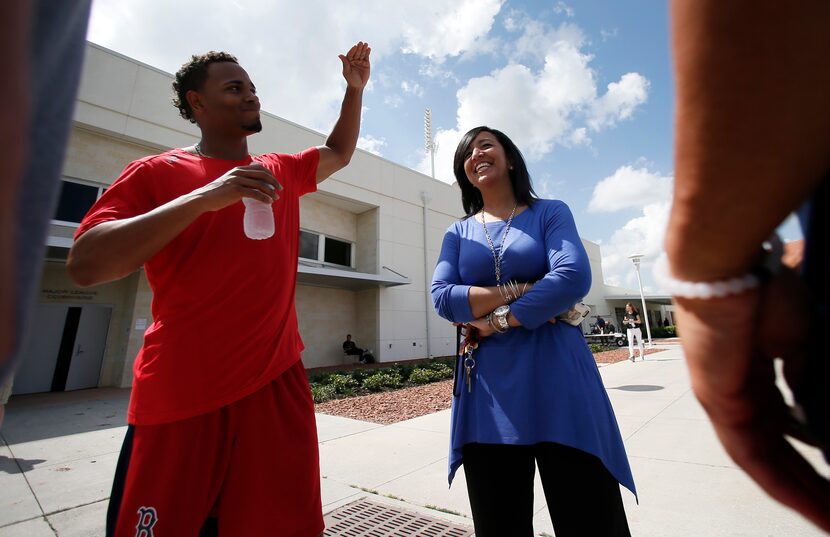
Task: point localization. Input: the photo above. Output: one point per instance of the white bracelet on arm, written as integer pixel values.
(770, 263)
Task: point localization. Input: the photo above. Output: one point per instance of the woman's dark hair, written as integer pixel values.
(192, 76)
(519, 177)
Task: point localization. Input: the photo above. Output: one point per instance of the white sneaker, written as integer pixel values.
(631, 358)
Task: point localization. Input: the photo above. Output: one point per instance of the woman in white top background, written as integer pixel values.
(632, 322)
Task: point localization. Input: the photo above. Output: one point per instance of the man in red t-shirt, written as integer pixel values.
(221, 436)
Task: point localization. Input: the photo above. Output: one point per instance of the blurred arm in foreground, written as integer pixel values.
(752, 145)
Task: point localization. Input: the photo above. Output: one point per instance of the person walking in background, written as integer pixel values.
(528, 391)
(752, 145)
(632, 322)
(601, 324)
(221, 434)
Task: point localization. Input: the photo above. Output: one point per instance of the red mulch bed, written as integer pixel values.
(392, 407)
(401, 405)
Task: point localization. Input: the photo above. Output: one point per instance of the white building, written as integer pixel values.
(370, 239)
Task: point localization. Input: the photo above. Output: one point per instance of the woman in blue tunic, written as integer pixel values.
(530, 393)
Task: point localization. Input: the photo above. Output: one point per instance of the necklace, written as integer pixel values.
(198, 148)
(497, 256)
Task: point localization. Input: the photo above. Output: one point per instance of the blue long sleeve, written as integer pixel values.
(449, 295)
(569, 271)
(546, 248)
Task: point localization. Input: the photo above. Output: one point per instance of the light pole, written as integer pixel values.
(429, 143)
(635, 258)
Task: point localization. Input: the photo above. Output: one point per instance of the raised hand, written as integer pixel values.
(356, 65)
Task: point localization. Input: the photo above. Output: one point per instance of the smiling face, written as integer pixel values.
(227, 100)
(485, 161)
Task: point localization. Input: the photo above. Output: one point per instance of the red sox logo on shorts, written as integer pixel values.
(147, 518)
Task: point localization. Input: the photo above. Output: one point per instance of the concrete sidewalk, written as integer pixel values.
(60, 450)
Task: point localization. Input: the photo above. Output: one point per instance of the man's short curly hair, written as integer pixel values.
(192, 76)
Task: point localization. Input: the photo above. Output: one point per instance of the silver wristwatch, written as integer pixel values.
(500, 317)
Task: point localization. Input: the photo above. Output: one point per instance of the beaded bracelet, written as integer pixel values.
(770, 263)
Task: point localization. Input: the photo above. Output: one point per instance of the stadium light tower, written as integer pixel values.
(429, 143)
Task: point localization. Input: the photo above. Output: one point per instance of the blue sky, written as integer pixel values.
(584, 88)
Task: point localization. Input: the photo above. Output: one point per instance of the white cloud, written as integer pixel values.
(633, 188)
(371, 144)
(562, 7)
(536, 37)
(579, 137)
(641, 235)
(620, 101)
(290, 48)
(445, 142)
(547, 186)
(630, 188)
(413, 88)
(541, 107)
(437, 31)
(608, 34)
(438, 72)
(394, 100)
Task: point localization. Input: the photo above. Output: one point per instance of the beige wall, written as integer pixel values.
(367, 242)
(327, 219)
(367, 311)
(140, 313)
(325, 317)
(99, 158)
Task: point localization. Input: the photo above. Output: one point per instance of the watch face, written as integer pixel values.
(501, 310)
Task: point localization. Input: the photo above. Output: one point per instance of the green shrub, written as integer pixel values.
(424, 376)
(326, 386)
(319, 378)
(321, 393)
(343, 384)
(380, 381)
(360, 374)
(444, 371)
(595, 348)
(402, 370)
(664, 331)
(440, 365)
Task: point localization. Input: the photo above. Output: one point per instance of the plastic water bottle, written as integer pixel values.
(259, 219)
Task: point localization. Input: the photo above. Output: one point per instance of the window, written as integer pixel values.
(309, 245)
(322, 249)
(75, 200)
(338, 252)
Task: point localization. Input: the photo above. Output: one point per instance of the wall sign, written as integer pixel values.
(68, 294)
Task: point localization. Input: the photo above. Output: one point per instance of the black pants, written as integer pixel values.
(582, 496)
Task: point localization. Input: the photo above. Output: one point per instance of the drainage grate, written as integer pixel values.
(365, 518)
